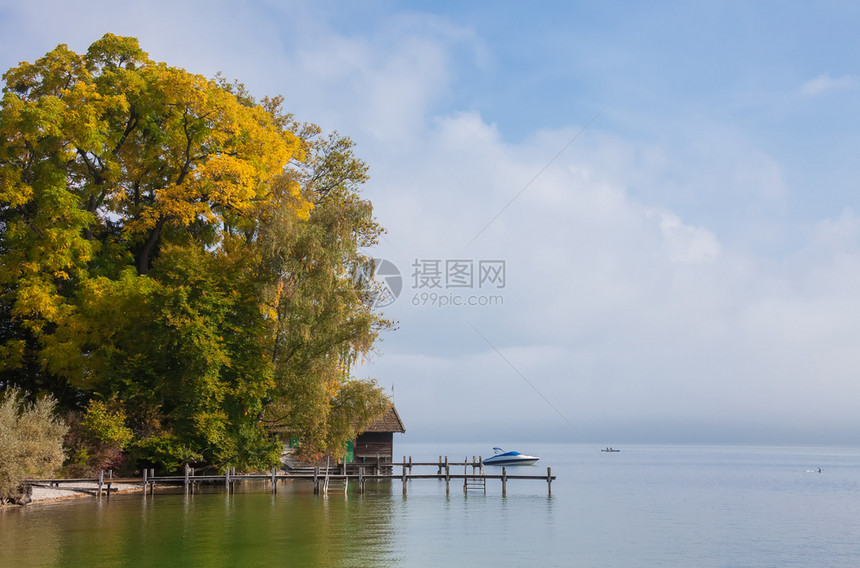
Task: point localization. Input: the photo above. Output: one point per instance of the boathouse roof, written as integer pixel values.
(389, 422)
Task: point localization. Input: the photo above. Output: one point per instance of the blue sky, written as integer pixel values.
(685, 268)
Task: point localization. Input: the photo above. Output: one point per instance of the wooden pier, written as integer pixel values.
(474, 477)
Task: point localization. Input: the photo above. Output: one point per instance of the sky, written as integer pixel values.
(613, 222)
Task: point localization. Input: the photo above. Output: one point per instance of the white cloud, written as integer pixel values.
(686, 243)
(635, 315)
(825, 84)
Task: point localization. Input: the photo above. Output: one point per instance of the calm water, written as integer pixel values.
(646, 506)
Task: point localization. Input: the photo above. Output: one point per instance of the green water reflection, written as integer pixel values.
(212, 530)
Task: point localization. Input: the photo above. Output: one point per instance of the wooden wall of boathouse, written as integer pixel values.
(377, 440)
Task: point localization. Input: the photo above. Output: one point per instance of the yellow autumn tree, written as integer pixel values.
(140, 206)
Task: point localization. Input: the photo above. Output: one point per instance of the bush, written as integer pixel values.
(96, 440)
(165, 452)
(31, 442)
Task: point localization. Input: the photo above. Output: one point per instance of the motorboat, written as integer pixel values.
(502, 457)
(610, 449)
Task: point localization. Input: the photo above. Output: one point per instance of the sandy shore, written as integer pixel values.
(72, 490)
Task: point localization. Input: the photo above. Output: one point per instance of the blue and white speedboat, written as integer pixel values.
(502, 457)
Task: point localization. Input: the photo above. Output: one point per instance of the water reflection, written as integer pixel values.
(27, 534)
(210, 529)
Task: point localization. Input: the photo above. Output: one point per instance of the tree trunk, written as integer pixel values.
(145, 252)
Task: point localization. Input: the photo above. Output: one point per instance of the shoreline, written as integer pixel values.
(46, 494)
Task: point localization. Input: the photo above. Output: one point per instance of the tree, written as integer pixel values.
(171, 244)
(31, 442)
(322, 310)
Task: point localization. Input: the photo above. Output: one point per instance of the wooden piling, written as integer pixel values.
(475, 479)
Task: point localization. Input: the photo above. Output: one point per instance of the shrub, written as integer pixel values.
(31, 442)
(96, 439)
(165, 452)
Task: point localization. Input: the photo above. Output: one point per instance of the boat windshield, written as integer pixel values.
(501, 452)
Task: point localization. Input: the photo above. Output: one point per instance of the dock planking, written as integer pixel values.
(321, 477)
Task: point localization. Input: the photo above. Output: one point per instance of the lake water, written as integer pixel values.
(645, 506)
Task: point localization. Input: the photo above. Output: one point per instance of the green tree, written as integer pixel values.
(173, 245)
(322, 310)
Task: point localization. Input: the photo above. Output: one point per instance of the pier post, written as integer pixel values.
(145, 471)
(504, 482)
(549, 481)
(439, 471)
(227, 480)
(274, 480)
(101, 481)
(187, 471)
(410, 465)
(403, 474)
(360, 480)
(447, 477)
(316, 480)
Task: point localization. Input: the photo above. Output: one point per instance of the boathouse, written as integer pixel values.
(375, 445)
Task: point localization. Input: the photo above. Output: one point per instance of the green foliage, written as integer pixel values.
(105, 425)
(95, 440)
(172, 246)
(321, 310)
(31, 441)
(166, 453)
(357, 404)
